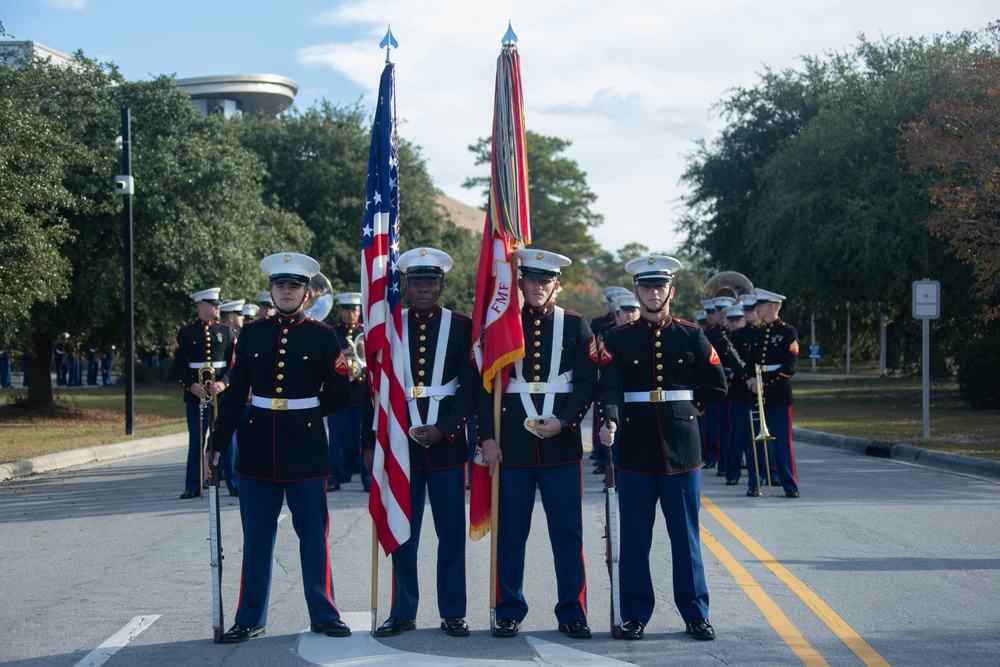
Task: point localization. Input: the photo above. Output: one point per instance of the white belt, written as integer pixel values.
(433, 391)
(284, 403)
(518, 387)
(773, 367)
(658, 396)
(202, 364)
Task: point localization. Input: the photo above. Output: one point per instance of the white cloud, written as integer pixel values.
(66, 4)
(629, 83)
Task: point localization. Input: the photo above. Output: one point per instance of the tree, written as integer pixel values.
(317, 161)
(559, 198)
(199, 220)
(952, 148)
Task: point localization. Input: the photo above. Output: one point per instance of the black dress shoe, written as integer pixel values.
(395, 626)
(506, 627)
(732, 482)
(720, 473)
(335, 628)
(709, 465)
(753, 492)
(792, 494)
(701, 629)
(575, 629)
(333, 487)
(632, 629)
(190, 494)
(234, 493)
(241, 633)
(598, 470)
(455, 626)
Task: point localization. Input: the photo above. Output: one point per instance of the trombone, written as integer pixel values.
(763, 435)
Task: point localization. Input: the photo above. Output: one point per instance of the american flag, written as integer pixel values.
(389, 502)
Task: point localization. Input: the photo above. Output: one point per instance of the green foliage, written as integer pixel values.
(979, 371)
(560, 201)
(803, 191)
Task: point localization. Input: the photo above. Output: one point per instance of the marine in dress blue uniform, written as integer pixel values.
(740, 400)
(442, 386)
(546, 399)
(775, 346)
(656, 374)
(231, 314)
(296, 372)
(599, 325)
(345, 425)
(204, 341)
(718, 336)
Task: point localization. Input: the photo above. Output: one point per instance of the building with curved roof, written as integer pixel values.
(238, 94)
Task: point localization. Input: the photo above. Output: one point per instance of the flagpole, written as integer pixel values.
(374, 577)
(494, 504)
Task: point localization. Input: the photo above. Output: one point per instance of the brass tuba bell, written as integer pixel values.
(355, 355)
(727, 283)
(319, 301)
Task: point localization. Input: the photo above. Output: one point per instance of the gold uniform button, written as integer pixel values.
(537, 322)
(657, 343)
(281, 376)
(305, 358)
(420, 384)
(255, 354)
(423, 337)
(423, 327)
(538, 379)
(636, 362)
(657, 334)
(309, 424)
(659, 378)
(538, 354)
(281, 351)
(537, 367)
(421, 360)
(421, 373)
(680, 361)
(537, 344)
(284, 340)
(284, 331)
(423, 349)
(278, 390)
(659, 354)
(538, 333)
(659, 367)
(281, 364)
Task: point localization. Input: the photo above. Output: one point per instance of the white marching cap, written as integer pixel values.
(211, 295)
(541, 263)
(613, 292)
(764, 296)
(700, 316)
(748, 300)
(708, 305)
(290, 267)
(250, 310)
(724, 302)
(423, 262)
(734, 312)
(264, 298)
(626, 301)
(232, 307)
(348, 299)
(652, 269)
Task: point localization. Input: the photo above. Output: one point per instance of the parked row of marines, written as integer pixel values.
(651, 378)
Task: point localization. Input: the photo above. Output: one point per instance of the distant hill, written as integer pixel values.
(463, 215)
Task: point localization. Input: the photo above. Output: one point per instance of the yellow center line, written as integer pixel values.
(772, 614)
(852, 639)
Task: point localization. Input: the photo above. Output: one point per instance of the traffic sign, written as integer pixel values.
(926, 299)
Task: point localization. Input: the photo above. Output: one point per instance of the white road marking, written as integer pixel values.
(117, 641)
(363, 650)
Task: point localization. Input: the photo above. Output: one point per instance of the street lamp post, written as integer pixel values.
(125, 186)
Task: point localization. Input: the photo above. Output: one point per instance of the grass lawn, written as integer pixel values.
(85, 417)
(891, 409)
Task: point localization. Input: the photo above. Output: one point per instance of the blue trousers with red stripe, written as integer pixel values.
(260, 505)
(196, 444)
(779, 423)
(446, 489)
(740, 439)
(562, 498)
(679, 497)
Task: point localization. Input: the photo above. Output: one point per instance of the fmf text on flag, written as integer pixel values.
(389, 502)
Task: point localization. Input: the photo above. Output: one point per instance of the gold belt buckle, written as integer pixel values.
(536, 388)
(658, 396)
(279, 403)
(418, 392)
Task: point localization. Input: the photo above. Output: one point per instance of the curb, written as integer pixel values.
(957, 463)
(76, 457)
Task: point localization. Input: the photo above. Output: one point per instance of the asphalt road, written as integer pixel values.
(878, 563)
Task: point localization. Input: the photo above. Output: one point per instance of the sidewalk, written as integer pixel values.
(954, 463)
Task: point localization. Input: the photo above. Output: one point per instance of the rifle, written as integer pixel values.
(612, 542)
(207, 377)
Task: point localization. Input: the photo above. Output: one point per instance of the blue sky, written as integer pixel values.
(631, 83)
